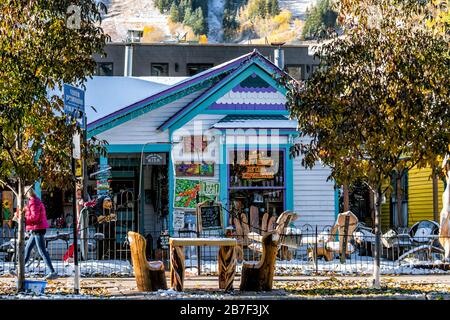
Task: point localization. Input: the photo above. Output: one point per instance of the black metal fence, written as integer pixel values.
(104, 252)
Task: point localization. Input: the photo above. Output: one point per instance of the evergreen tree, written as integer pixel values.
(319, 19)
(174, 13)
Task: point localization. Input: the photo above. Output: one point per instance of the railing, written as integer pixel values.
(105, 252)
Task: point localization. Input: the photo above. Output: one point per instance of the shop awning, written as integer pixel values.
(256, 122)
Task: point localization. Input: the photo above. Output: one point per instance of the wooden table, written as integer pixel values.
(226, 260)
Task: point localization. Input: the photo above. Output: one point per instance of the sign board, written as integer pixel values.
(178, 219)
(154, 159)
(164, 238)
(209, 189)
(74, 101)
(209, 216)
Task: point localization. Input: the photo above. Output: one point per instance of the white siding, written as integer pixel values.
(314, 196)
(143, 129)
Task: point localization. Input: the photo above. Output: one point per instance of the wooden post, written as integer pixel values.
(346, 198)
(227, 267)
(176, 267)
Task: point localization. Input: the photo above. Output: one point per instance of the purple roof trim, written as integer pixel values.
(178, 86)
(245, 106)
(238, 88)
(182, 110)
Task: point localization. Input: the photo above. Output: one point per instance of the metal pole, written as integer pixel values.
(75, 238)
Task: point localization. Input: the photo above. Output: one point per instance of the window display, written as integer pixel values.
(256, 178)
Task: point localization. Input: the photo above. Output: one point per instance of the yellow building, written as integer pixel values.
(417, 200)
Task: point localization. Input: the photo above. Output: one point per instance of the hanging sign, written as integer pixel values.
(154, 159)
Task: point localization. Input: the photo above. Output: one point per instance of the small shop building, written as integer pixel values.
(222, 135)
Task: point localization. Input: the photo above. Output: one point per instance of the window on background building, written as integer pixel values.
(104, 69)
(295, 71)
(160, 69)
(194, 68)
(257, 179)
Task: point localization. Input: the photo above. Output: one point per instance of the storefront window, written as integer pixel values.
(256, 179)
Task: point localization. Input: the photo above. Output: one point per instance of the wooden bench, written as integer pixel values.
(150, 276)
(258, 275)
(226, 260)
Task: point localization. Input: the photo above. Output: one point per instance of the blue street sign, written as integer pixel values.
(74, 101)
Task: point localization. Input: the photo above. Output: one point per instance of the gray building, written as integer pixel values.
(187, 59)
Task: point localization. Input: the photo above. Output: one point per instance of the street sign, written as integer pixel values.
(74, 102)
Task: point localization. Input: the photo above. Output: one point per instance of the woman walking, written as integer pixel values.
(36, 222)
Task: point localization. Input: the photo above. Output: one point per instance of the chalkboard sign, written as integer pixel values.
(210, 216)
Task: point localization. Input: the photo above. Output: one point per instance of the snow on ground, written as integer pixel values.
(354, 265)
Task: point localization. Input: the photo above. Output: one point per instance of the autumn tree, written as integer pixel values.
(43, 44)
(380, 101)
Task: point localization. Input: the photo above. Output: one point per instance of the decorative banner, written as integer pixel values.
(178, 219)
(7, 205)
(186, 193)
(194, 169)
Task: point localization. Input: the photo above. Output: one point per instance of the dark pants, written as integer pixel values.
(37, 238)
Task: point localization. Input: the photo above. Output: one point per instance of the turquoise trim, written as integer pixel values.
(265, 131)
(142, 201)
(205, 100)
(223, 179)
(133, 148)
(146, 107)
(171, 192)
(289, 174)
(248, 112)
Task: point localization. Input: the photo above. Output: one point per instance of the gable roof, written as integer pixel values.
(206, 78)
(215, 92)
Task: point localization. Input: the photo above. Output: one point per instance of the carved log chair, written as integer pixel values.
(150, 276)
(344, 227)
(282, 222)
(258, 275)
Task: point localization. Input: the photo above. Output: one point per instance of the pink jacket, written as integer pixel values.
(35, 215)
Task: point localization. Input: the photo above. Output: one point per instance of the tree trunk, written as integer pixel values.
(372, 208)
(399, 195)
(377, 253)
(346, 198)
(21, 239)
